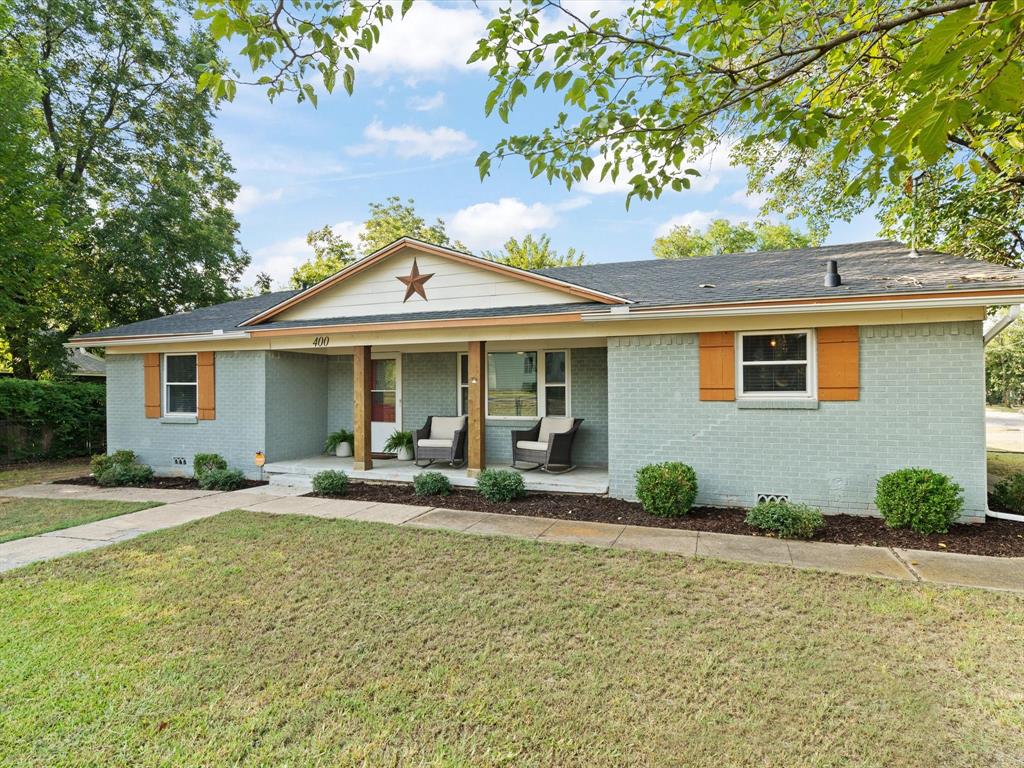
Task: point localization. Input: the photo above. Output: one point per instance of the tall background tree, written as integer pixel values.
(530, 253)
(142, 186)
(724, 236)
(831, 106)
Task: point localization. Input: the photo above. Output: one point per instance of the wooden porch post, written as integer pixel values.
(361, 407)
(476, 439)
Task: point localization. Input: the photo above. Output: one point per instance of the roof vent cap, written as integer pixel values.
(832, 278)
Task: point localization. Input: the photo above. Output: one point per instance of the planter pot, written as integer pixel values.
(405, 454)
(343, 450)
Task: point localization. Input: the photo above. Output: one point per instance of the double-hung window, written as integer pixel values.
(181, 385)
(775, 365)
(526, 384)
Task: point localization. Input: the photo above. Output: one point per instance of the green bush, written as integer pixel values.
(501, 485)
(52, 419)
(330, 482)
(790, 521)
(125, 474)
(398, 440)
(207, 462)
(1010, 493)
(919, 499)
(431, 484)
(667, 489)
(221, 479)
(102, 463)
(337, 438)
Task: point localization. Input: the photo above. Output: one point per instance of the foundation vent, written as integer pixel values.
(772, 498)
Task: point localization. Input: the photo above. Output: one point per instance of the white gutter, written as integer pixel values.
(113, 341)
(1002, 323)
(629, 313)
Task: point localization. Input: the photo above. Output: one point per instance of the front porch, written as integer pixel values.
(299, 472)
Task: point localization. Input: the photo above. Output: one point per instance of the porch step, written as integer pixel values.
(290, 480)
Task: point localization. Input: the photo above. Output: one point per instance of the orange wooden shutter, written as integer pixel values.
(151, 362)
(839, 363)
(207, 385)
(717, 365)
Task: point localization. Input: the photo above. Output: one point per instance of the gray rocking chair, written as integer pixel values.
(548, 444)
(442, 438)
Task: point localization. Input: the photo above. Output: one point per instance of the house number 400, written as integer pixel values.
(321, 341)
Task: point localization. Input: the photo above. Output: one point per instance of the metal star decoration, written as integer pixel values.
(414, 282)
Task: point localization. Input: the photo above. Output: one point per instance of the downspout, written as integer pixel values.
(998, 327)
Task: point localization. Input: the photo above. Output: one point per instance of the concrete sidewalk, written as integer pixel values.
(900, 564)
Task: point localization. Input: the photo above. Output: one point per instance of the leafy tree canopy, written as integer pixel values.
(143, 187)
(530, 253)
(331, 254)
(832, 106)
(723, 236)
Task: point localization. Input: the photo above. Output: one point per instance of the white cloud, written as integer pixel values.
(429, 42)
(292, 161)
(712, 165)
(253, 197)
(692, 219)
(488, 225)
(573, 203)
(410, 141)
(280, 258)
(750, 200)
(427, 103)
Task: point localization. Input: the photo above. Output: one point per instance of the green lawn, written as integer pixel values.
(12, 475)
(1002, 464)
(247, 639)
(29, 517)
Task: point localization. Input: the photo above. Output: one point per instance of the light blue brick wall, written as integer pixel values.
(296, 404)
(237, 432)
(339, 393)
(428, 387)
(921, 404)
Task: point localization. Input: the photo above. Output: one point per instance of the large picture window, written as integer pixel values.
(775, 364)
(181, 385)
(525, 384)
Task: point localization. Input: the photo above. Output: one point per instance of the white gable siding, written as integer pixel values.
(455, 285)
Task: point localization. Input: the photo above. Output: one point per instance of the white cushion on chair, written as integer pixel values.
(445, 427)
(529, 445)
(429, 442)
(553, 425)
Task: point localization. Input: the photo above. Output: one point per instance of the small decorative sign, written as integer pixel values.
(260, 459)
(321, 341)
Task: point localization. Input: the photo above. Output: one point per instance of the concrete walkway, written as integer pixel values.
(900, 564)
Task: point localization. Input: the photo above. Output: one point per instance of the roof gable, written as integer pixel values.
(410, 276)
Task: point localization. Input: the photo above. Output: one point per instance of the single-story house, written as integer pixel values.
(805, 374)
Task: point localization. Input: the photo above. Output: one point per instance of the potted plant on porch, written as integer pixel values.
(339, 443)
(401, 443)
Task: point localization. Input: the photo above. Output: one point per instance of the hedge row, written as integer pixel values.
(48, 419)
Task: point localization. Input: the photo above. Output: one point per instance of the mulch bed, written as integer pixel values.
(171, 483)
(999, 538)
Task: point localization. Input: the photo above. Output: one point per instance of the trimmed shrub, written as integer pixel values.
(501, 485)
(1009, 493)
(790, 521)
(667, 489)
(922, 500)
(51, 419)
(431, 484)
(100, 463)
(330, 482)
(125, 474)
(221, 479)
(207, 462)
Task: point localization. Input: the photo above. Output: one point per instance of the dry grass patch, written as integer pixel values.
(12, 475)
(30, 517)
(259, 640)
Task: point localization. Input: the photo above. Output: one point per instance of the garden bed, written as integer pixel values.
(999, 538)
(170, 483)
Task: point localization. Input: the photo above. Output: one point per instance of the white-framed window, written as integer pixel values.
(776, 364)
(521, 384)
(181, 385)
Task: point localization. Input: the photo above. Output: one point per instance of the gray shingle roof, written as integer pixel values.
(871, 268)
(878, 267)
(219, 317)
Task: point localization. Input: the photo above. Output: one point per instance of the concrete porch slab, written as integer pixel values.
(299, 473)
(582, 532)
(966, 570)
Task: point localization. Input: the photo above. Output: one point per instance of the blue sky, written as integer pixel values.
(413, 128)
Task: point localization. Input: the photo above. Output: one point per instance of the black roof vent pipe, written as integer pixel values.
(832, 278)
